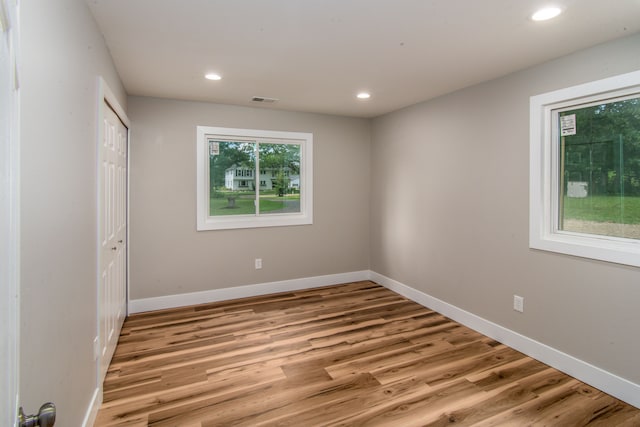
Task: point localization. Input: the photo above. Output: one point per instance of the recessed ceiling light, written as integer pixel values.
(212, 76)
(546, 13)
(364, 95)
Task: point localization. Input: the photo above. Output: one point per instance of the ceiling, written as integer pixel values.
(316, 55)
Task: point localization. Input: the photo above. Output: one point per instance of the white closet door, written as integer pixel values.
(113, 235)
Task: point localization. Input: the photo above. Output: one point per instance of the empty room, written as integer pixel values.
(356, 212)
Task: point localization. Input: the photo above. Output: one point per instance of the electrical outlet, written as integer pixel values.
(518, 303)
(258, 263)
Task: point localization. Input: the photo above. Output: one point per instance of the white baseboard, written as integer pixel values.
(92, 411)
(609, 383)
(180, 300)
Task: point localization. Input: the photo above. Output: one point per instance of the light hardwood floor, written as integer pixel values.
(346, 355)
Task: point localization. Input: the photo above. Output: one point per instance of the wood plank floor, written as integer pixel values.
(347, 355)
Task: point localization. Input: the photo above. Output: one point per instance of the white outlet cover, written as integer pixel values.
(518, 303)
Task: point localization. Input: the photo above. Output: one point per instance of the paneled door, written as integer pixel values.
(112, 295)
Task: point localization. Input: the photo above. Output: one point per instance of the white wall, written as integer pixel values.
(63, 53)
(168, 255)
(450, 215)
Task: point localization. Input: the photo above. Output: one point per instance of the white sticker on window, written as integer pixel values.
(568, 125)
(214, 148)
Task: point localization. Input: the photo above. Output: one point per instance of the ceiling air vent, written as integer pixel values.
(263, 99)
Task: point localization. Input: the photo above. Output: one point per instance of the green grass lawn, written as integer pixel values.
(244, 204)
(603, 209)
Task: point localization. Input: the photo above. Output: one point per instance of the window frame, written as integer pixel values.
(205, 222)
(543, 173)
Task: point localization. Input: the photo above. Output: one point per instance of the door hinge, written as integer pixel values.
(46, 417)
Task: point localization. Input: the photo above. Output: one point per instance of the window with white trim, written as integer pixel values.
(253, 178)
(585, 170)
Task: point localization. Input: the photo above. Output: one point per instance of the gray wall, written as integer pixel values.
(436, 195)
(450, 215)
(62, 55)
(168, 255)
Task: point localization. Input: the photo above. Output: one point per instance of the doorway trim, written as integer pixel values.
(9, 212)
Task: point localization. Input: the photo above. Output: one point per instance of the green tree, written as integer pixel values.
(280, 157)
(606, 148)
(281, 183)
(284, 159)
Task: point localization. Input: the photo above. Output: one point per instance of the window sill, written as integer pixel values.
(251, 221)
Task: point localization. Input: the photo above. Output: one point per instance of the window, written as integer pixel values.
(253, 178)
(585, 170)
